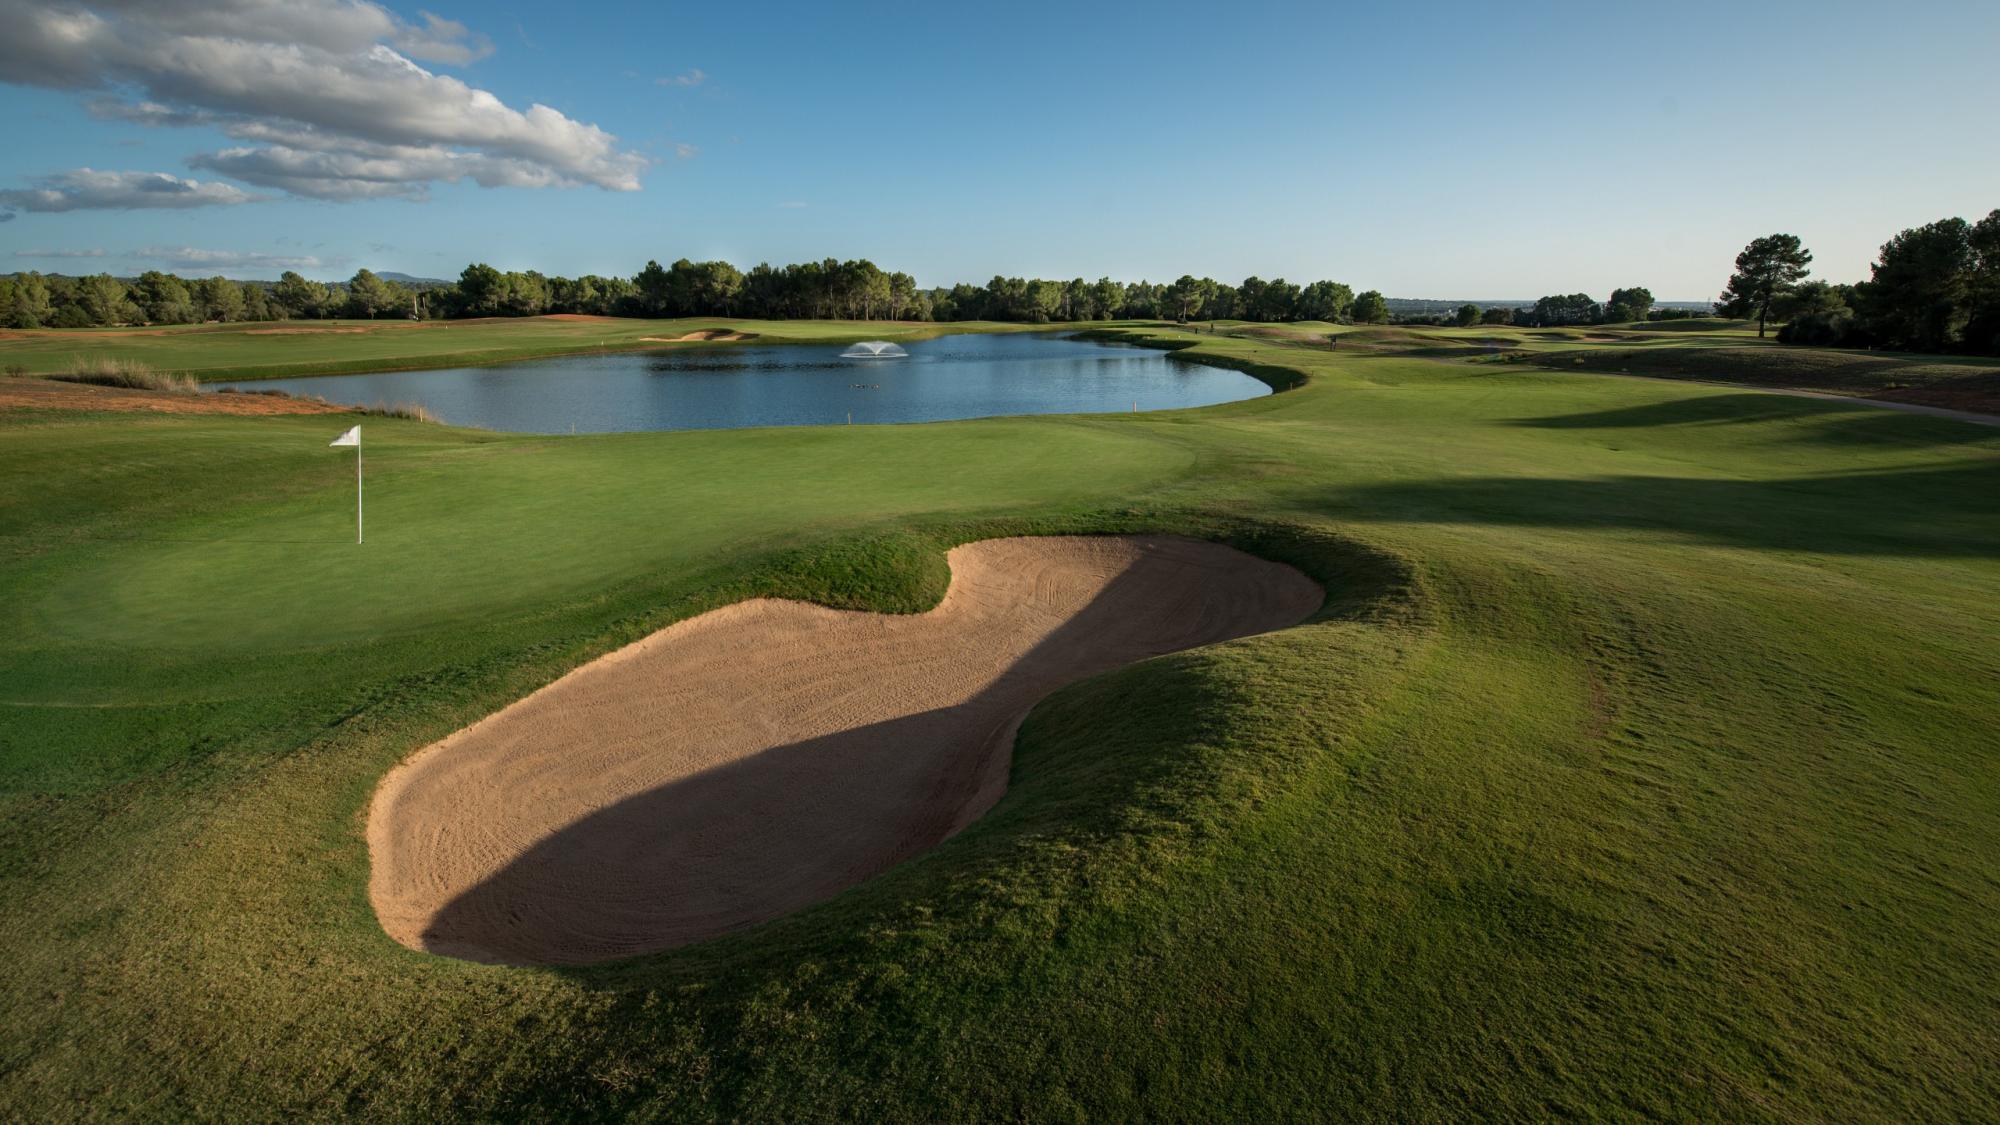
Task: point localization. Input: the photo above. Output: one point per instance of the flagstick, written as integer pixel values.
(357, 492)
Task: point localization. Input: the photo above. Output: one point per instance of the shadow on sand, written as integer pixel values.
(797, 824)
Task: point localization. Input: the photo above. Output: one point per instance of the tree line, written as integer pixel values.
(33, 300)
(1934, 288)
(861, 290)
(1560, 310)
(830, 289)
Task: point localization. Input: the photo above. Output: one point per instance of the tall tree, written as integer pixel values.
(1047, 298)
(1766, 270)
(164, 298)
(1325, 300)
(29, 305)
(1467, 315)
(298, 298)
(1370, 308)
(257, 303)
(1982, 327)
(655, 289)
(218, 299)
(1628, 304)
(1107, 298)
(1560, 310)
(104, 301)
(1918, 297)
(1811, 298)
(368, 295)
(1278, 302)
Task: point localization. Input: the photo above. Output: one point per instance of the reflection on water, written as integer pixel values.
(707, 388)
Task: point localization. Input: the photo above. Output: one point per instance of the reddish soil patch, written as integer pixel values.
(51, 394)
(765, 756)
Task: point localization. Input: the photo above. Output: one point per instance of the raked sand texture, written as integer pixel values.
(763, 757)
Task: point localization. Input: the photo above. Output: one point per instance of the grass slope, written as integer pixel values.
(1641, 764)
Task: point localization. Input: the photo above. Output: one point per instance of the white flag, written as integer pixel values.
(351, 437)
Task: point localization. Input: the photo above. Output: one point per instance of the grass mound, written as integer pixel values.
(1968, 384)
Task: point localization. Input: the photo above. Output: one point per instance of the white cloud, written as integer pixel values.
(59, 253)
(194, 258)
(86, 189)
(686, 151)
(691, 78)
(328, 87)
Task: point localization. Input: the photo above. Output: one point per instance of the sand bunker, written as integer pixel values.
(765, 756)
(709, 334)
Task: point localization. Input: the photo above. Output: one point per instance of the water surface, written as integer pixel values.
(708, 387)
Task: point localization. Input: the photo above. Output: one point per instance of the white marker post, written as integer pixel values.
(353, 437)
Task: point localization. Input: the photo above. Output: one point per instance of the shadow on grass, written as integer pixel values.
(1946, 512)
(1837, 423)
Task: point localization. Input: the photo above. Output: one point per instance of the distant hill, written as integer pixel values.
(406, 279)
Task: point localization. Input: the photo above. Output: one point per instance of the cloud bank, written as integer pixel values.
(87, 189)
(328, 93)
(195, 259)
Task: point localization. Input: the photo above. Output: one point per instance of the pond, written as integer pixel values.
(710, 387)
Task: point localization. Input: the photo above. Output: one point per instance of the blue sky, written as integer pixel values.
(1447, 150)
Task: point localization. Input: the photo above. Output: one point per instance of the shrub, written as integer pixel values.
(1819, 329)
(406, 410)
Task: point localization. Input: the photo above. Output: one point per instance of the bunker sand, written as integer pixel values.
(760, 758)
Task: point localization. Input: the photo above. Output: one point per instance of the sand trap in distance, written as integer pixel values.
(762, 757)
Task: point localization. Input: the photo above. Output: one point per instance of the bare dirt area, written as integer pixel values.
(760, 758)
(53, 394)
(1976, 396)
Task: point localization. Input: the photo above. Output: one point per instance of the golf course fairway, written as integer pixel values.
(1640, 761)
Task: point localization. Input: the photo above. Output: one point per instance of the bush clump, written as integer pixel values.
(103, 371)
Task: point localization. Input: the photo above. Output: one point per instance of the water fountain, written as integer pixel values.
(874, 349)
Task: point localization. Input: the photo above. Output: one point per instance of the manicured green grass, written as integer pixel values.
(1640, 765)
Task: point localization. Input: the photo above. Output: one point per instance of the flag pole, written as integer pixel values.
(353, 437)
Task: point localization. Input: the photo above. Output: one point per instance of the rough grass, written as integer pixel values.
(1639, 767)
(108, 371)
(409, 411)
